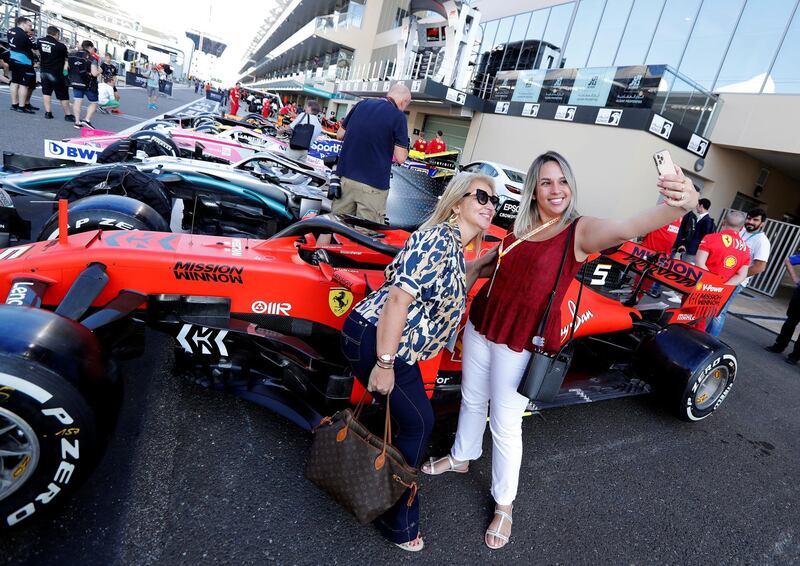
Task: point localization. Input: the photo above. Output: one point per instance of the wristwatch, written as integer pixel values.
(387, 358)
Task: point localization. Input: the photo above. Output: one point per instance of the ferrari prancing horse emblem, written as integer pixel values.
(339, 300)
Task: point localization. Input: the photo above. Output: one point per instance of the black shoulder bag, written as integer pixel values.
(545, 373)
(302, 135)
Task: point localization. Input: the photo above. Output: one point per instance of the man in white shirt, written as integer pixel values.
(308, 117)
(759, 246)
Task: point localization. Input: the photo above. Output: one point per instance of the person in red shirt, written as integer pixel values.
(284, 115)
(437, 145)
(235, 99)
(663, 239)
(724, 253)
(420, 144)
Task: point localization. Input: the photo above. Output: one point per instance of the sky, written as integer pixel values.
(234, 27)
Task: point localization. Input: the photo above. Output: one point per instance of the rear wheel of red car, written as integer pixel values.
(690, 371)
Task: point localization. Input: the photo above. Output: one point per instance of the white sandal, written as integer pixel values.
(413, 545)
(451, 466)
(496, 532)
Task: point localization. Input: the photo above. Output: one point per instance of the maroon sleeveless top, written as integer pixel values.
(510, 315)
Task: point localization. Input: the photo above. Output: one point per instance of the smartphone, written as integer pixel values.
(664, 162)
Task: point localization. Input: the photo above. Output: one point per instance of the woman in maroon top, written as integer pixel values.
(505, 315)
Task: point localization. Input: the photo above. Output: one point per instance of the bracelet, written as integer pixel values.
(384, 365)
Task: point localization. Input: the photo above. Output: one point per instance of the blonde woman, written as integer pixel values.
(410, 318)
(506, 313)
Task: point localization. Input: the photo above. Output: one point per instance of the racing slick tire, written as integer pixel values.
(155, 144)
(53, 391)
(106, 212)
(690, 371)
(255, 116)
(122, 180)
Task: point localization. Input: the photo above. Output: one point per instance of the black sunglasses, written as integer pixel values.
(483, 197)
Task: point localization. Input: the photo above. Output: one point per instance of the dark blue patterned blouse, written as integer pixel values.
(431, 269)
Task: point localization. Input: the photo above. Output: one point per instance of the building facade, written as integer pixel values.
(722, 74)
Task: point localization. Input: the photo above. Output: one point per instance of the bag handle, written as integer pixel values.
(387, 426)
(546, 315)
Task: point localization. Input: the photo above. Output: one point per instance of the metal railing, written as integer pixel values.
(784, 239)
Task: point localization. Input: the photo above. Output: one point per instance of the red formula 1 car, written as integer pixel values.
(261, 319)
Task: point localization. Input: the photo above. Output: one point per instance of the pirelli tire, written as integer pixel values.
(53, 393)
(106, 212)
(155, 143)
(690, 371)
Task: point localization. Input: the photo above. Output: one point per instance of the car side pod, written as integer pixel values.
(690, 371)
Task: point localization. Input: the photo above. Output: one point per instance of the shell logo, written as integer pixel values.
(699, 286)
(730, 261)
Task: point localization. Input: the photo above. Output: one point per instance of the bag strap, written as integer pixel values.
(569, 244)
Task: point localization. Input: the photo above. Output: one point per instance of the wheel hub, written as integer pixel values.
(711, 387)
(19, 452)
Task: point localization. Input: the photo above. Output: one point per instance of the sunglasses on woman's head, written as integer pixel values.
(483, 197)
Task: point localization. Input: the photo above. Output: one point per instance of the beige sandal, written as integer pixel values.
(451, 466)
(413, 545)
(496, 533)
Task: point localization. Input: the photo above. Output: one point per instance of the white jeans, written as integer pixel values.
(492, 372)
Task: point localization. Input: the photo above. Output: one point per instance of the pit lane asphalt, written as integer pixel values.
(25, 133)
(195, 477)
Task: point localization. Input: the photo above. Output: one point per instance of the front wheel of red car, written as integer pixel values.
(690, 371)
(48, 440)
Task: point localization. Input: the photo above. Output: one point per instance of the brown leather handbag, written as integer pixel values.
(364, 474)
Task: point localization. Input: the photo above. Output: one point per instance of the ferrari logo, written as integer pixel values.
(730, 261)
(727, 240)
(340, 301)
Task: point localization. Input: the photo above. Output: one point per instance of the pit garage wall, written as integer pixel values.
(614, 167)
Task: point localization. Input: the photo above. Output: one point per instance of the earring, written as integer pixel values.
(453, 218)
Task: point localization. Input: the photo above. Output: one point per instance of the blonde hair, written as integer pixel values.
(528, 216)
(458, 186)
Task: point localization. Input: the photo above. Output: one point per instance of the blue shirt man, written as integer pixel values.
(374, 132)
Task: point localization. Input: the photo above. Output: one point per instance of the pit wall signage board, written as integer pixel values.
(135, 79)
(557, 86)
(529, 86)
(635, 86)
(642, 119)
(592, 86)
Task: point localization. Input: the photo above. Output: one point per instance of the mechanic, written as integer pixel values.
(54, 70)
(759, 246)
(84, 69)
(300, 140)
(725, 253)
(235, 94)
(412, 317)
(696, 225)
(374, 132)
(420, 144)
(792, 316)
(506, 313)
(437, 145)
(23, 76)
(662, 240)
